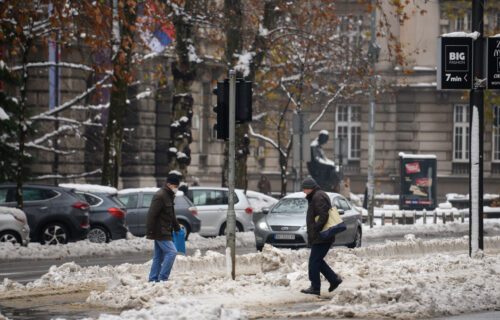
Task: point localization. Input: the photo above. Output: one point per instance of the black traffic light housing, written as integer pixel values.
(243, 105)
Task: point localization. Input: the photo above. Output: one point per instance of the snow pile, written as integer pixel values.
(118, 247)
(450, 229)
(406, 279)
(2, 317)
(167, 310)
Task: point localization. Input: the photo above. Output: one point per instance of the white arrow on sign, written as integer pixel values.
(465, 77)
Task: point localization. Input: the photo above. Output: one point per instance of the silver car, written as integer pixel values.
(212, 205)
(14, 226)
(285, 223)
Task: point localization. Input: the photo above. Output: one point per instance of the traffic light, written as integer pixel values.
(243, 101)
(222, 110)
(243, 105)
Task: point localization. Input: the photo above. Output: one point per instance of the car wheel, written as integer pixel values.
(259, 248)
(222, 231)
(10, 236)
(98, 234)
(185, 227)
(54, 233)
(357, 240)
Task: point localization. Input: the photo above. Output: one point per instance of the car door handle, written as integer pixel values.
(44, 208)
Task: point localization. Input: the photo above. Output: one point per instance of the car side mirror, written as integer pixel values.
(341, 211)
(265, 210)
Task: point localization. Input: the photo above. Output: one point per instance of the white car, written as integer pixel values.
(260, 201)
(14, 226)
(212, 205)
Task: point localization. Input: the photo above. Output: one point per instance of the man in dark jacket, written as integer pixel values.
(319, 205)
(160, 223)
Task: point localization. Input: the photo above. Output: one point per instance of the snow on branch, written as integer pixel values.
(69, 120)
(327, 105)
(91, 107)
(69, 176)
(71, 102)
(50, 149)
(54, 64)
(259, 116)
(49, 135)
(288, 95)
(266, 139)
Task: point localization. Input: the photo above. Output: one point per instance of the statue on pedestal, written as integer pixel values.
(322, 169)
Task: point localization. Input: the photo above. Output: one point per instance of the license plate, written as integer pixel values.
(284, 236)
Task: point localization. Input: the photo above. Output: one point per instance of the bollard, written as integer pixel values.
(404, 217)
(463, 216)
(452, 216)
(393, 218)
(382, 218)
(444, 217)
(434, 218)
(424, 215)
(414, 216)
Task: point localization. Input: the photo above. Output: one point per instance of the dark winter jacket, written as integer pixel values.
(319, 205)
(161, 220)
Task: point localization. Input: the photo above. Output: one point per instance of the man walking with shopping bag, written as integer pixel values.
(160, 223)
(317, 216)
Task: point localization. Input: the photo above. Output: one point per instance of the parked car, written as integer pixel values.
(55, 215)
(14, 226)
(285, 223)
(138, 201)
(212, 204)
(107, 213)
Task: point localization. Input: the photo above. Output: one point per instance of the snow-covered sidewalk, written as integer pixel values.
(404, 279)
(243, 239)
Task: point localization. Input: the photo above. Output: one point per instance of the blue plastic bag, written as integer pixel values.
(180, 241)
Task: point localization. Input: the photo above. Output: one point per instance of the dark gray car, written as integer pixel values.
(107, 216)
(55, 215)
(137, 202)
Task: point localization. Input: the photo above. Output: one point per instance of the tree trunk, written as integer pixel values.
(118, 102)
(22, 128)
(183, 70)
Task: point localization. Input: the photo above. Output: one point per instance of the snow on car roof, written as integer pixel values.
(136, 190)
(301, 194)
(145, 189)
(17, 213)
(89, 188)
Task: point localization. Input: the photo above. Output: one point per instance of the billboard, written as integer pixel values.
(454, 68)
(418, 182)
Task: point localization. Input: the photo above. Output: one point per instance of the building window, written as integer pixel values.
(461, 133)
(463, 22)
(349, 127)
(496, 136)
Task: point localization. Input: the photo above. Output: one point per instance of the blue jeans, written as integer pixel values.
(163, 260)
(317, 265)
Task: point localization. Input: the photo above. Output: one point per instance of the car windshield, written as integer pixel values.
(291, 206)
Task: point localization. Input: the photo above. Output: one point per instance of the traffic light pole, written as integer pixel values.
(231, 217)
(476, 125)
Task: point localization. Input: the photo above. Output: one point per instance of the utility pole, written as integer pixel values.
(231, 217)
(371, 134)
(476, 124)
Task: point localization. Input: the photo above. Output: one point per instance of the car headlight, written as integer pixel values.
(263, 225)
(303, 228)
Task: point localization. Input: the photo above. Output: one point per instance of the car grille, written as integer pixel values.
(284, 228)
(298, 240)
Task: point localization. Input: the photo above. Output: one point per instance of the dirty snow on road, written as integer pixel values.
(403, 279)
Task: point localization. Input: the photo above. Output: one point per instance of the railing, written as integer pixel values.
(411, 216)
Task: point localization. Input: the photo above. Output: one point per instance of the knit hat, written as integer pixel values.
(173, 179)
(309, 183)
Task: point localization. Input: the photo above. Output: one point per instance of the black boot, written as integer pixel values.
(334, 284)
(310, 290)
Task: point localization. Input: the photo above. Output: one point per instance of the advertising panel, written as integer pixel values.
(454, 69)
(418, 182)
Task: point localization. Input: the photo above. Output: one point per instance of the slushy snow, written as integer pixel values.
(405, 280)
